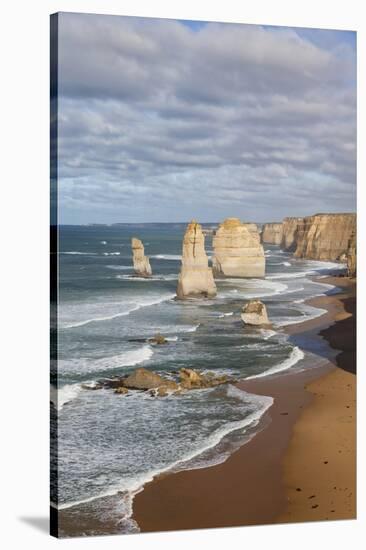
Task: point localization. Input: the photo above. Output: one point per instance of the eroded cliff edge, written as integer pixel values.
(324, 236)
(272, 233)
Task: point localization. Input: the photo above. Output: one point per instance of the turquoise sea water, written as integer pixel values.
(109, 444)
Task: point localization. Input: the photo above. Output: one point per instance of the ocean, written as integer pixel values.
(108, 445)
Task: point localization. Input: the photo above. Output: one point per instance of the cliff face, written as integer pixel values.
(141, 263)
(352, 256)
(237, 250)
(272, 233)
(324, 236)
(290, 228)
(195, 278)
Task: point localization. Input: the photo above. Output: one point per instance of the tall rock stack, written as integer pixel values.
(237, 250)
(195, 278)
(272, 233)
(325, 236)
(290, 228)
(141, 263)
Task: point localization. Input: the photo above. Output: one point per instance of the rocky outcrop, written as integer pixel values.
(158, 339)
(290, 227)
(272, 233)
(352, 256)
(142, 379)
(121, 390)
(157, 386)
(237, 250)
(255, 313)
(195, 278)
(324, 236)
(141, 263)
(191, 379)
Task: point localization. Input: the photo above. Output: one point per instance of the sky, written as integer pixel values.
(166, 121)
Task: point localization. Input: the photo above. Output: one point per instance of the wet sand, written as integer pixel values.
(320, 464)
(257, 484)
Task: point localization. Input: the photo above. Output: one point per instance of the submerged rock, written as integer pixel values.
(255, 313)
(237, 250)
(195, 278)
(158, 339)
(191, 379)
(121, 390)
(141, 263)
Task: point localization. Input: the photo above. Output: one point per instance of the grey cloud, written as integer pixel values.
(230, 119)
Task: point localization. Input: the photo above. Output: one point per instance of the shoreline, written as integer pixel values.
(235, 492)
(319, 467)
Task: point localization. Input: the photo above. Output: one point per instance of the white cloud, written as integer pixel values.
(162, 121)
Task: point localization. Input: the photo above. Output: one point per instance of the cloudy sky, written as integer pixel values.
(163, 120)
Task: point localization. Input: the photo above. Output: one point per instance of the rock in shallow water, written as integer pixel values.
(141, 263)
(237, 250)
(255, 313)
(158, 339)
(195, 278)
(121, 390)
(143, 379)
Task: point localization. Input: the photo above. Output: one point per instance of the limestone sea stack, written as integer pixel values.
(272, 233)
(325, 236)
(141, 264)
(195, 278)
(289, 233)
(237, 250)
(255, 313)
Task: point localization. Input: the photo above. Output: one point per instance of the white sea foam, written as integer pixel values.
(307, 314)
(296, 355)
(252, 288)
(85, 365)
(288, 275)
(120, 267)
(128, 307)
(267, 333)
(169, 277)
(135, 485)
(286, 263)
(188, 328)
(64, 395)
(167, 257)
(111, 253)
(77, 253)
(103, 242)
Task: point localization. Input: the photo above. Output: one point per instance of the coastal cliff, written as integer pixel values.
(352, 256)
(237, 250)
(324, 236)
(141, 263)
(272, 233)
(195, 278)
(289, 233)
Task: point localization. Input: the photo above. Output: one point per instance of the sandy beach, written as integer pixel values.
(301, 465)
